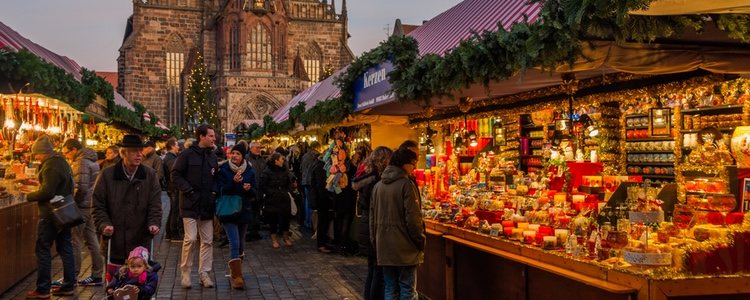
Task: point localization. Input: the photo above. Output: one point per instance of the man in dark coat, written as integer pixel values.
(396, 226)
(322, 201)
(259, 163)
(127, 202)
(55, 179)
(305, 167)
(152, 160)
(174, 222)
(193, 174)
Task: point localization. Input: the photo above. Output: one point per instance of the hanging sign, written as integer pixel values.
(372, 88)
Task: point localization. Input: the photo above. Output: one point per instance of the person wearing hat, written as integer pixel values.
(236, 177)
(152, 160)
(127, 201)
(193, 174)
(55, 178)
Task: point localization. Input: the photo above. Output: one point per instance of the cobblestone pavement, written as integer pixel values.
(299, 272)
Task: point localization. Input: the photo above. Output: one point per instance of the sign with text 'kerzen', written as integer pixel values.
(372, 88)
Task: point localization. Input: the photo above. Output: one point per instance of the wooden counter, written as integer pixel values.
(17, 239)
(477, 266)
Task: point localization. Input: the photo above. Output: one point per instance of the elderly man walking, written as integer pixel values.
(193, 175)
(127, 201)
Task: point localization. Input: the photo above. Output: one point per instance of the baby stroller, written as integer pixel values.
(125, 293)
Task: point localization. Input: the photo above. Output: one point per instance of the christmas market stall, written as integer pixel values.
(41, 93)
(571, 152)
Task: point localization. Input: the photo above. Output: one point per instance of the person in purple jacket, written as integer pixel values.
(138, 273)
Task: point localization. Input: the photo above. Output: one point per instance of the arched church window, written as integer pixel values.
(234, 47)
(259, 48)
(312, 60)
(175, 63)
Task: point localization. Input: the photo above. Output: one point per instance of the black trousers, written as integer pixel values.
(324, 221)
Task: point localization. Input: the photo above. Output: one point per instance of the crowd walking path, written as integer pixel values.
(298, 272)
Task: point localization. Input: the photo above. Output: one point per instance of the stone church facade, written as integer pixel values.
(259, 53)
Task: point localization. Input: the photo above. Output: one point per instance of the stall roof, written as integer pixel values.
(13, 41)
(320, 91)
(448, 29)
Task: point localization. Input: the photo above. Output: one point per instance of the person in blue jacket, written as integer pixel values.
(237, 177)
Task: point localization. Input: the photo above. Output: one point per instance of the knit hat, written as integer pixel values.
(139, 251)
(240, 148)
(42, 145)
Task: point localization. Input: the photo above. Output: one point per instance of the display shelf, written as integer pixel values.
(707, 193)
(536, 138)
(656, 176)
(652, 152)
(636, 115)
(531, 155)
(636, 127)
(651, 139)
(727, 129)
(651, 163)
(719, 109)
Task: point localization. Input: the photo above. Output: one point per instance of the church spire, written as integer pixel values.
(343, 9)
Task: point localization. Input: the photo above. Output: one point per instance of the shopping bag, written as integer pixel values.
(294, 205)
(228, 205)
(65, 212)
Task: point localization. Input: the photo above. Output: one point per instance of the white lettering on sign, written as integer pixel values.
(374, 78)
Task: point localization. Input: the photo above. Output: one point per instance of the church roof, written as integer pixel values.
(320, 91)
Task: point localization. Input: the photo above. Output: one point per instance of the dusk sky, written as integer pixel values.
(91, 31)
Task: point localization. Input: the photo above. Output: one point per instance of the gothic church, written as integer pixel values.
(259, 53)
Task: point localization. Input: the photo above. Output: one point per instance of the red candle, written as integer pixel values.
(507, 231)
(508, 223)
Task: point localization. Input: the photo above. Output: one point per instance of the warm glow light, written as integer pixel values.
(26, 126)
(10, 124)
(38, 127)
(90, 142)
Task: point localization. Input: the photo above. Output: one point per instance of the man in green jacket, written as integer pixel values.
(396, 226)
(55, 178)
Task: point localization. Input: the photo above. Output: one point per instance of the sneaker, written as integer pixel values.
(186, 280)
(36, 295)
(61, 292)
(57, 282)
(90, 281)
(206, 280)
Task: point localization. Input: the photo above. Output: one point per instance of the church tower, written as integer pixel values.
(249, 46)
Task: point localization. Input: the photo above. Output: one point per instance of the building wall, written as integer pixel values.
(303, 27)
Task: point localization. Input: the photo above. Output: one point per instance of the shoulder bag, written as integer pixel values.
(228, 205)
(65, 212)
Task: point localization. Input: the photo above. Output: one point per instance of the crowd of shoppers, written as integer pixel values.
(330, 192)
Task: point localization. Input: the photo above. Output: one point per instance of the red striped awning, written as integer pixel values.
(445, 31)
(12, 41)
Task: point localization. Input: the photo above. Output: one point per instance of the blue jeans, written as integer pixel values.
(47, 233)
(400, 282)
(308, 210)
(235, 233)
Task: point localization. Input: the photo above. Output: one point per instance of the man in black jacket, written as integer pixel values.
(193, 174)
(258, 163)
(174, 222)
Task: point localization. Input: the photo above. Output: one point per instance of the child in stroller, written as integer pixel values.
(135, 277)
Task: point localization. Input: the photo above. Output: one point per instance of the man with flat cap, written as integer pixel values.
(127, 201)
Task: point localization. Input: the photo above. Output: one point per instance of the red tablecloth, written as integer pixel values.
(578, 170)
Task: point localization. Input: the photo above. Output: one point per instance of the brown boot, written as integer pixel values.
(274, 241)
(287, 239)
(235, 272)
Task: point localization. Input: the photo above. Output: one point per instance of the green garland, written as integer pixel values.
(134, 119)
(22, 67)
(557, 39)
(498, 55)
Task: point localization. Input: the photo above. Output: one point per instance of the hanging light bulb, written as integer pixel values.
(10, 124)
(26, 126)
(473, 139)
